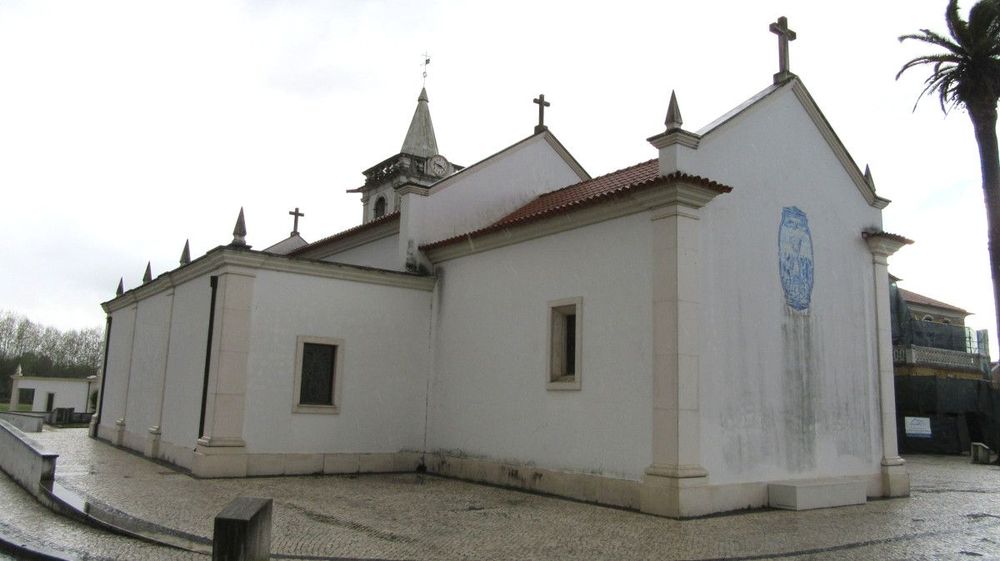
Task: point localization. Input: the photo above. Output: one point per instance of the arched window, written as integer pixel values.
(927, 317)
(380, 207)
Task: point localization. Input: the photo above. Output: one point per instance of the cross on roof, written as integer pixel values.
(296, 214)
(780, 28)
(542, 104)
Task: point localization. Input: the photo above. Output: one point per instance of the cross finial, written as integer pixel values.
(542, 104)
(295, 226)
(780, 28)
(427, 60)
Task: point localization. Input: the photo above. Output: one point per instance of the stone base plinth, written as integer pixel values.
(895, 481)
(816, 493)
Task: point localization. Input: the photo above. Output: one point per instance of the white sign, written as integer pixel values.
(917, 427)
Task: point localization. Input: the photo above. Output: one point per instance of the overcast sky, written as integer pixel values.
(128, 127)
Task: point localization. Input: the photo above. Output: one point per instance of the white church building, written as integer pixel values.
(704, 331)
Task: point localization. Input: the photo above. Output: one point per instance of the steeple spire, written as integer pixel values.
(420, 140)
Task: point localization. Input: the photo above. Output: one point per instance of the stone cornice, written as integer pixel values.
(227, 259)
(678, 136)
(677, 192)
(884, 244)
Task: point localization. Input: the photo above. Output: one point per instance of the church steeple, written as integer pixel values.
(420, 140)
(418, 164)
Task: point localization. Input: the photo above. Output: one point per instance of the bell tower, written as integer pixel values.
(418, 163)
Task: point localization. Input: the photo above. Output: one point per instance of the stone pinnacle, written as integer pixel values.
(186, 254)
(674, 120)
(148, 276)
(121, 287)
(240, 232)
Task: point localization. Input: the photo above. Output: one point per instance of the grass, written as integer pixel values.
(20, 407)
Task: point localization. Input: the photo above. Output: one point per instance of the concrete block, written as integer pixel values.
(243, 531)
(980, 453)
(816, 493)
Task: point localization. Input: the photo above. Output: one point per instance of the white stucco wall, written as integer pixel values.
(116, 377)
(149, 354)
(386, 360)
(784, 394)
(381, 254)
(488, 396)
(185, 370)
(68, 392)
(486, 192)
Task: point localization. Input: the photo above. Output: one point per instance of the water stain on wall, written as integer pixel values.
(801, 390)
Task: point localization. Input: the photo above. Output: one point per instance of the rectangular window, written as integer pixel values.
(318, 370)
(565, 342)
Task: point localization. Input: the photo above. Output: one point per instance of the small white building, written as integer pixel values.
(682, 336)
(48, 393)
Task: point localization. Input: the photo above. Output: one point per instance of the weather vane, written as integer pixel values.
(427, 60)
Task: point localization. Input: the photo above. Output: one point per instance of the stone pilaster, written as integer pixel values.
(895, 479)
(119, 428)
(676, 484)
(221, 450)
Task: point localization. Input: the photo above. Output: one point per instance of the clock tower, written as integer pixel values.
(417, 163)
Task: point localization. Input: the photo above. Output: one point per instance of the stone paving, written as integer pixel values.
(954, 513)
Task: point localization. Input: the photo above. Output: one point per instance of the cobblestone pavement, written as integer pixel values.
(954, 513)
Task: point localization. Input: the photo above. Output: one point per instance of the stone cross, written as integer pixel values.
(296, 214)
(780, 28)
(542, 104)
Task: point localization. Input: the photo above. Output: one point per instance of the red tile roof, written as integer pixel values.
(587, 192)
(346, 233)
(914, 298)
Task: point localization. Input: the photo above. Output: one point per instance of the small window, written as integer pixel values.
(927, 317)
(565, 342)
(318, 370)
(380, 207)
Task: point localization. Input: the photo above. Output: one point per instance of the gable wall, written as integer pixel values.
(484, 193)
(785, 394)
(488, 396)
(386, 360)
(381, 254)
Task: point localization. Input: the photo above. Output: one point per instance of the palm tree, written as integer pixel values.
(967, 75)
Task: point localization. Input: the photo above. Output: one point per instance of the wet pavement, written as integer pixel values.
(954, 513)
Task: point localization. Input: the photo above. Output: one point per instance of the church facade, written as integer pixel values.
(696, 333)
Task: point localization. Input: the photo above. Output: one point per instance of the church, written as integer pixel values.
(704, 331)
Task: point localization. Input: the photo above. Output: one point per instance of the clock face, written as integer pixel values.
(437, 166)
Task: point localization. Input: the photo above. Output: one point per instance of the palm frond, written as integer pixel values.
(957, 27)
(928, 36)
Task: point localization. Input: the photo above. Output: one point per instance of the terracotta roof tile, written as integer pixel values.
(584, 193)
(914, 298)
